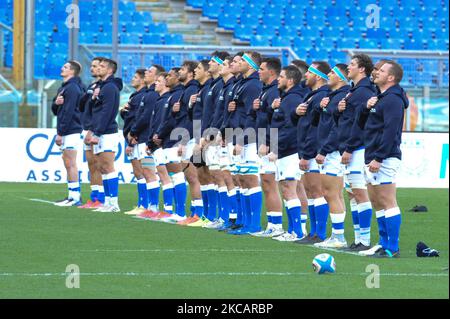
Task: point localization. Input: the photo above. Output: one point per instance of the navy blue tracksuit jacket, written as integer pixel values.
(307, 138)
(68, 114)
(106, 107)
(281, 120)
(326, 126)
(383, 125)
(350, 134)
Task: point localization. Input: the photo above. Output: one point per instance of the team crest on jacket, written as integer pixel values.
(373, 110)
(166, 105)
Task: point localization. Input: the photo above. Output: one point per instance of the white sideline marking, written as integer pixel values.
(162, 274)
(187, 250)
(41, 201)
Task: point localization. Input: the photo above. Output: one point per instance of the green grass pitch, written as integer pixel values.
(123, 257)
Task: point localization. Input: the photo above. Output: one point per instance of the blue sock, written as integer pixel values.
(168, 197)
(247, 212)
(101, 194)
(192, 208)
(180, 193)
(321, 211)
(239, 201)
(212, 203)
(382, 229)
(304, 218)
(142, 193)
(337, 224)
(244, 206)
(255, 206)
(365, 219)
(199, 209)
(113, 186)
(153, 189)
(277, 219)
(74, 190)
(312, 217)
(232, 200)
(355, 218)
(105, 185)
(269, 217)
(294, 209)
(94, 193)
(289, 216)
(224, 204)
(393, 220)
(204, 191)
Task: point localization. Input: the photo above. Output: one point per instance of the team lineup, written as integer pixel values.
(240, 128)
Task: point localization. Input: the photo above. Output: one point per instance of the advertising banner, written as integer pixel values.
(31, 155)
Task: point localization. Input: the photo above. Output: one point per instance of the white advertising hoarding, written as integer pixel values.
(31, 155)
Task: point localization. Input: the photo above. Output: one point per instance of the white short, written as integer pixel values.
(224, 159)
(159, 157)
(107, 143)
(71, 142)
(356, 165)
(250, 153)
(234, 160)
(85, 147)
(313, 167)
(148, 162)
(212, 159)
(354, 171)
(332, 165)
(136, 153)
(288, 168)
(189, 150)
(249, 160)
(172, 155)
(387, 173)
(266, 166)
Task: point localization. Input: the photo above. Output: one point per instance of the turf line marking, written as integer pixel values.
(41, 200)
(186, 250)
(165, 274)
(337, 251)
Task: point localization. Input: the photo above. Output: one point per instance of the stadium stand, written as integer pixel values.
(314, 29)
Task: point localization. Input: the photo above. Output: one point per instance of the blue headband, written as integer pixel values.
(249, 60)
(339, 74)
(318, 73)
(217, 59)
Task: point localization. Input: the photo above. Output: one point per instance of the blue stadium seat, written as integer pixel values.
(173, 39)
(281, 42)
(250, 19)
(151, 38)
(265, 30)
(332, 32)
(286, 31)
(272, 19)
(243, 32)
(103, 38)
(211, 11)
(129, 38)
(195, 3)
(275, 9)
(293, 19)
(86, 37)
(309, 32)
(257, 40)
(228, 21)
(392, 43)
